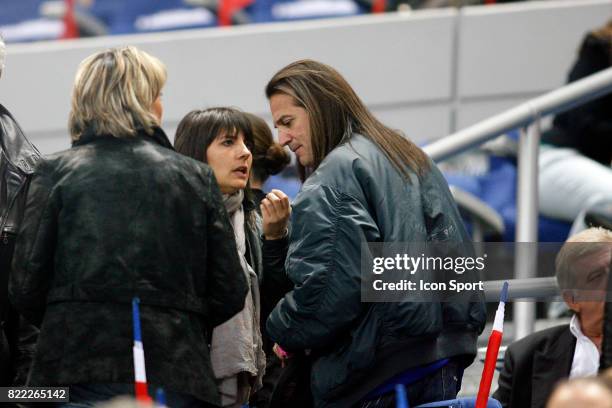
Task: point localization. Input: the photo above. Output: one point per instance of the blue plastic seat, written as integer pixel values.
(17, 11)
(142, 16)
(497, 188)
(262, 11)
(460, 403)
(22, 21)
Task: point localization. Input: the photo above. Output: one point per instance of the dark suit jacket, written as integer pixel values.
(533, 366)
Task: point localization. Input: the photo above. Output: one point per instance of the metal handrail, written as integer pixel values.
(526, 116)
(518, 289)
(557, 101)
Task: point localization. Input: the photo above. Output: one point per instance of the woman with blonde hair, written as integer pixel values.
(122, 215)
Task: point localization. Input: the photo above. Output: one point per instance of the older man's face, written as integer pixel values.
(591, 274)
(589, 295)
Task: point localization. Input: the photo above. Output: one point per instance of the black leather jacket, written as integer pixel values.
(110, 219)
(17, 160)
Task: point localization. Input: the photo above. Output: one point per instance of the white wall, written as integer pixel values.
(427, 73)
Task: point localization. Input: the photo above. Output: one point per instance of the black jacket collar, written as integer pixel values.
(552, 365)
(158, 137)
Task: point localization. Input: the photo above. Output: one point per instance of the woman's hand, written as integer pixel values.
(275, 210)
(282, 355)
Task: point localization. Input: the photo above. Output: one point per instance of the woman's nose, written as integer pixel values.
(244, 151)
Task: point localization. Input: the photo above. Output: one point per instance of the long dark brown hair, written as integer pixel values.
(335, 112)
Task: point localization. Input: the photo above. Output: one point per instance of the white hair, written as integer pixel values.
(2, 54)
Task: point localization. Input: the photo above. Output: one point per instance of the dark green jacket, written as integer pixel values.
(110, 219)
(357, 196)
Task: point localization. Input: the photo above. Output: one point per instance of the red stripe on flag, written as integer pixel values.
(142, 394)
(71, 30)
(227, 8)
(488, 369)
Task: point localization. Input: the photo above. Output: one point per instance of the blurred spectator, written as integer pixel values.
(17, 159)
(533, 365)
(119, 215)
(576, 154)
(269, 157)
(581, 393)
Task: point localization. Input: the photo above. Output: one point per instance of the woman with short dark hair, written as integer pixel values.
(222, 138)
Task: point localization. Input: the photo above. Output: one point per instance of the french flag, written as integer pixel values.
(492, 350)
(140, 376)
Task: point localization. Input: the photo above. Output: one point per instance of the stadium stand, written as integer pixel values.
(35, 20)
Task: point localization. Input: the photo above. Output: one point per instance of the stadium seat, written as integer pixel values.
(22, 21)
(497, 188)
(262, 11)
(460, 403)
(143, 16)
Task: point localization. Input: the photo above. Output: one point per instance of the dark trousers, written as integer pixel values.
(442, 385)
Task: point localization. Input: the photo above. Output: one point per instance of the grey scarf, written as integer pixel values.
(237, 344)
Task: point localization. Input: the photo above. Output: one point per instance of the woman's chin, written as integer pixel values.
(233, 189)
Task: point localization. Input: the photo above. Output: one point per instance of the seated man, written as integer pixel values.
(534, 365)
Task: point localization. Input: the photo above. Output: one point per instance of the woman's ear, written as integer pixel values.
(570, 300)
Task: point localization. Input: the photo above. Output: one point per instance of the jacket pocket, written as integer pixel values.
(337, 373)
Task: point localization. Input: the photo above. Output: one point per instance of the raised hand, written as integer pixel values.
(275, 210)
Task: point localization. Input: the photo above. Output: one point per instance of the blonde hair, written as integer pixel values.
(114, 91)
(578, 246)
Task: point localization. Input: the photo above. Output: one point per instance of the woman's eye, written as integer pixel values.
(227, 142)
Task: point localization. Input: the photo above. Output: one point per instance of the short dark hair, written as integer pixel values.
(200, 127)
